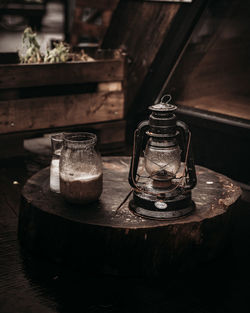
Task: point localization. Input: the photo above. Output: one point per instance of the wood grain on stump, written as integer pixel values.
(96, 238)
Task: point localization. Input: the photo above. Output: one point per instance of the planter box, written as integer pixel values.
(40, 96)
(53, 96)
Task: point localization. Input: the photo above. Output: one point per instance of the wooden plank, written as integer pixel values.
(49, 112)
(226, 104)
(98, 4)
(19, 75)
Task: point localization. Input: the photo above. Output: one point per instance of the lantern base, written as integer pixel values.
(168, 209)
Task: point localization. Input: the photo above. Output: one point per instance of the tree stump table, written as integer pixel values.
(99, 238)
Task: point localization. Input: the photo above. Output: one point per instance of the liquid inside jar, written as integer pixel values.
(54, 175)
(83, 189)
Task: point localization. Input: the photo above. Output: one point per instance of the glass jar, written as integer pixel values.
(56, 146)
(81, 177)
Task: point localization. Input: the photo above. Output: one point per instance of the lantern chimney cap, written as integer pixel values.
(164, 105)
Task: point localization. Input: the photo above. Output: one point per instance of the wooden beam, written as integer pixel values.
(141, 38)
(48, 112)
(153, 39)
(26, 75)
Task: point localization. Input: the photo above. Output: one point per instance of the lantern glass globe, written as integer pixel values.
(162, 158)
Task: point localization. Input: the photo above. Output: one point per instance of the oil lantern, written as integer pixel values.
(162, 184)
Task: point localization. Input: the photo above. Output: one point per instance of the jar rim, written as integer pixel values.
(58, 137)
(77, 138)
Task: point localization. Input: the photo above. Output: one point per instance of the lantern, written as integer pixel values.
(162, 184)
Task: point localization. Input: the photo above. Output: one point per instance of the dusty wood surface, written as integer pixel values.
(22, 114)
(30, 284)
(232, 106)
(28, 75)
(84, 235)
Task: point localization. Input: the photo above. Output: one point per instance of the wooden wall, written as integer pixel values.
(214, 72)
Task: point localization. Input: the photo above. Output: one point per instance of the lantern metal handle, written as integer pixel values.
(139, 136)
(188, 154)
